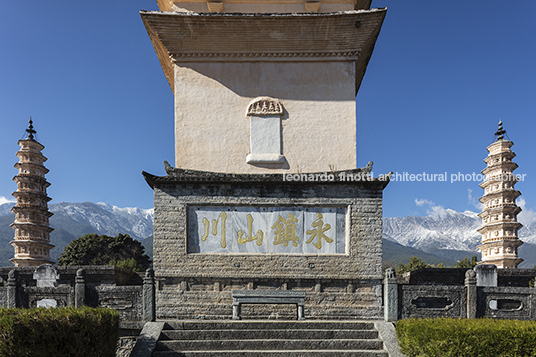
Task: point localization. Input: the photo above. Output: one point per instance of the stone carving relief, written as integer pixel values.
(266, 141)
(46, 275)
(265, 106)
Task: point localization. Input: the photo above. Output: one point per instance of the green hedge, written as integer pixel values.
(468, 338)
(85, 332)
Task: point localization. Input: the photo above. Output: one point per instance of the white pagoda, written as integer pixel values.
(499, 212)
(31, 225)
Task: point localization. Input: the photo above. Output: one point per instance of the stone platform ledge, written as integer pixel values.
(290, 277)
(340, 177)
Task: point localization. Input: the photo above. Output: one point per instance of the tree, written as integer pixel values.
(467, 263)
(92, 249)
(414, 264)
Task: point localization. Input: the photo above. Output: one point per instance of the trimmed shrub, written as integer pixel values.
(468, 338)
(84, 332)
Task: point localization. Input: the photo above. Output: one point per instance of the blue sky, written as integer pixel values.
(442, 75)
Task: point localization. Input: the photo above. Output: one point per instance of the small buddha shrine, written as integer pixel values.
(499, 213)
(31, 225)
(265, 201)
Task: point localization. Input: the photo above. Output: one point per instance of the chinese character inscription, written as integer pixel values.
(281, 230)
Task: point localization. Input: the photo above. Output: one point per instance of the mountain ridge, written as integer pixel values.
(72, 220)
(444, 235)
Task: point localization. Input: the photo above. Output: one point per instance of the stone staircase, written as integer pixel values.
(269, 338)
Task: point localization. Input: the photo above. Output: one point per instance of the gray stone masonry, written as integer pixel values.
(146, 343)
(470, 286)
(441, 297)
(149, 308)
(28, 287)
(387, 333)
(80, 288)
(199, 285)
(390, 295)
(241, 297)
(274, 338)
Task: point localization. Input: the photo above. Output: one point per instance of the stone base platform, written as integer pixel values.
(212, 299)
(216, 232)
(270, 338)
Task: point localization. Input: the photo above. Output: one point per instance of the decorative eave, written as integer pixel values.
(496, 210)
(19, 260)
(497, 261)
(229, 37)
(30, 225)
(35, 167)
(40, 210)
(509, 166)
(501, 194)
(501, 225)
(32, 241)
(31, 143)
(40, 195)
(494, 180)
(500, 243)
(509, 154)
(503, 142)
(167, 5)
(31, 178)
(176, 175)
(31, 154)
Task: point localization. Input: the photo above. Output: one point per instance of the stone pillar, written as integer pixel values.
(318, 286)
(486, 275)
(470, 288)
(390, 295)
(12, 286)
(236, 310)
(149, 301)
(79, 289)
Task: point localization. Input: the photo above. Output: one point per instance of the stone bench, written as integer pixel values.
(268, 297)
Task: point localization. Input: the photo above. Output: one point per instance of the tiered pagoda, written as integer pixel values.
(31, 225)
(499, 212)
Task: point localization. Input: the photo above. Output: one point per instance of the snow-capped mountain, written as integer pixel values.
(444, 233)
(448, 229)
(102, 217)
(72, 220)
(442, 229)
(107, 219)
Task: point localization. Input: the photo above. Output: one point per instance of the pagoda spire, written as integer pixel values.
(499, 134)
(30, 131)
(31, 225)
(499, 213)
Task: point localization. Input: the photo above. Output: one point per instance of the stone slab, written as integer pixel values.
(146, 343)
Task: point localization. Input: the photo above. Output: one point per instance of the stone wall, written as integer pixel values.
(93, 286)
(197, 285)
(456, 276)
(432, 293)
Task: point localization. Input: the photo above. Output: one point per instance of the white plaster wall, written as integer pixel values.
(264, 7)
(318, 125)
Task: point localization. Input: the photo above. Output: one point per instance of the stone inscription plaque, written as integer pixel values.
(259, 230)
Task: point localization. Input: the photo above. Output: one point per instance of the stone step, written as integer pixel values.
(269, 325)
(272, 344)
(277, 353)
(249, 338)
(292, 334)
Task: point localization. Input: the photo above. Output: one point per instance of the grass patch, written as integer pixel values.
(465, 337)
(85, 332)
